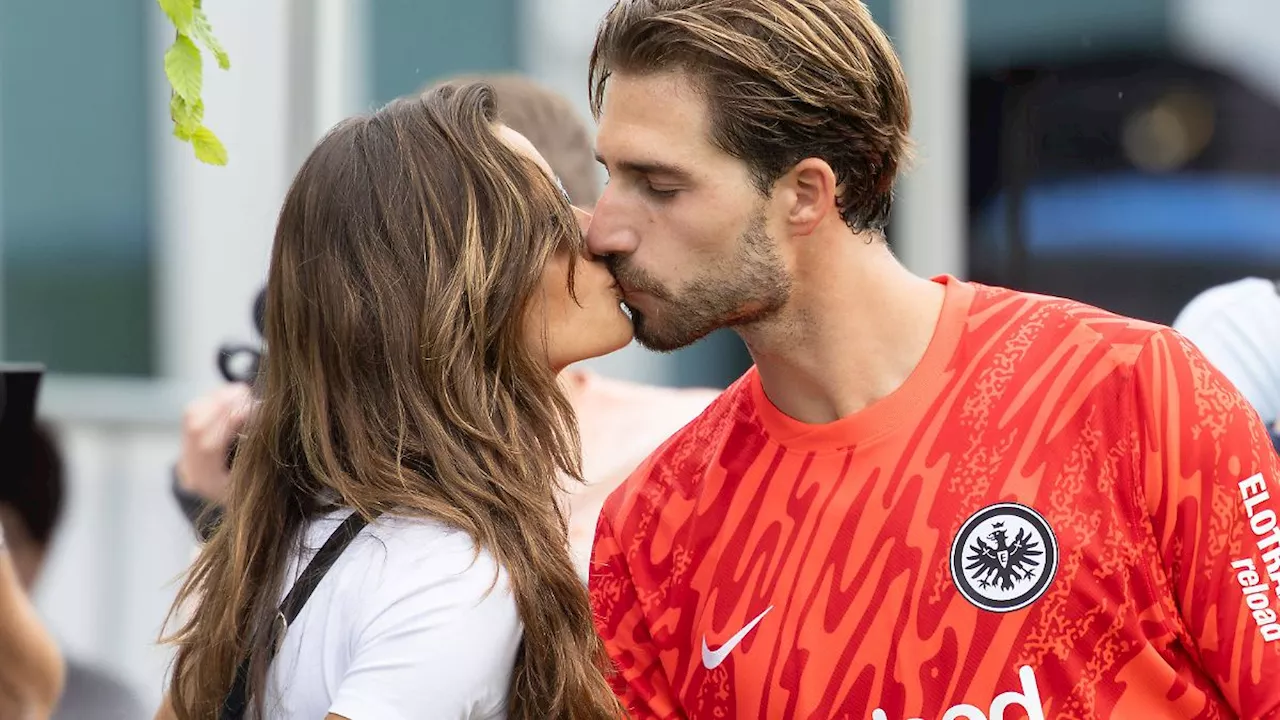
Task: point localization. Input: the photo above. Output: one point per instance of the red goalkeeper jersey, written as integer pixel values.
(1061, 513)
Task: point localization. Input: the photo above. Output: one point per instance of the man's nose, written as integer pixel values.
(610, 231)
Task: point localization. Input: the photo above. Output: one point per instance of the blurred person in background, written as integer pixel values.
(31, 666)
(619, 422)
(929, 498)
(1237, 327)
(31, 503)
(398, 483)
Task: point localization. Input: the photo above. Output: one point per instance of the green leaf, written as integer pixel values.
(180, 12)
(183, 68)
(202, 32)
(187, 117)
(208, 147)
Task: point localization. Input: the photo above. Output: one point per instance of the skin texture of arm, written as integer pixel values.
(31, 667)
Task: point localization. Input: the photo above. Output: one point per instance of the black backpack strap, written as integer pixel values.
(237, 700)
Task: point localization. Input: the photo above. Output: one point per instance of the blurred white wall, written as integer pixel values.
(930, 216)
(215, 223)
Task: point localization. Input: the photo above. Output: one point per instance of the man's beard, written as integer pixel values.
(746, 288)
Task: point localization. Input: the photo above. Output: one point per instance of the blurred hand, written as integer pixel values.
(31, 666)
(209, 426)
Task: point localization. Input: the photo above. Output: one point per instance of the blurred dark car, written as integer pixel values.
(1131, 184)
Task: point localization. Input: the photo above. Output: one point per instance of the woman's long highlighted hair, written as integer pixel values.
(399, 379)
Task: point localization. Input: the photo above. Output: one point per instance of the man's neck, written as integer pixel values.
(852, 337)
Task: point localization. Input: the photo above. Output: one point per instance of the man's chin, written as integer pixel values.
(663, 337)
(663, 340)
(658, 345)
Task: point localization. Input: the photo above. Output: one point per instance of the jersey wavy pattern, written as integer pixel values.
(1049, 519)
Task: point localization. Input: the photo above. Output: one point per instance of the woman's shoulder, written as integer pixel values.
(398, 554)
(404, 574)
(410, 599)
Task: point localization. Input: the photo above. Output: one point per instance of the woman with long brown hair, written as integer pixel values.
(428, 282)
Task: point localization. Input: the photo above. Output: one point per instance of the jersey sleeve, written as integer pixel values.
(640, 682)
(434, 640)
(1212, 492)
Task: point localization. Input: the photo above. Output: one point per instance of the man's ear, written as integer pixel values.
(811, 192)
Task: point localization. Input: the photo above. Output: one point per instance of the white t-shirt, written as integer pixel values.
(407, 624)
(1237, 327)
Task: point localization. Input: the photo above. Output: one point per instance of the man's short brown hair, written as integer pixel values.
(553, 125)
(784, 80)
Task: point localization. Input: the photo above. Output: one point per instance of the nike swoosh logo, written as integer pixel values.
(711, 659)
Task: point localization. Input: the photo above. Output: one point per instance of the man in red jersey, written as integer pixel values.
(929, 498)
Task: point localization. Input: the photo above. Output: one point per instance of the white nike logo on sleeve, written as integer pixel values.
(711, 659)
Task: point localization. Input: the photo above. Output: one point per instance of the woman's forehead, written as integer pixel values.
(522, 145)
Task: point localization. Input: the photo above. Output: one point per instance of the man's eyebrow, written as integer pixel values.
(648, 167)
